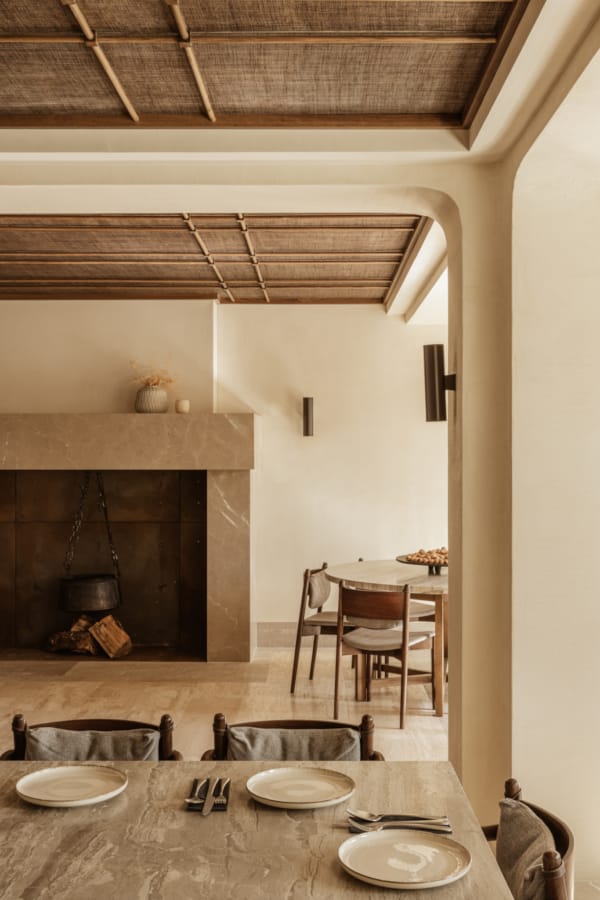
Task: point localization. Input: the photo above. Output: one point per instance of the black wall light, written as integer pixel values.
(436, 383)
(307, 416)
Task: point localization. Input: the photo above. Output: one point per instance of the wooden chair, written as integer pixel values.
(313, 620)
(393, 634)
(430, 606)
(365, 730)
(558, 864)
(165, 728)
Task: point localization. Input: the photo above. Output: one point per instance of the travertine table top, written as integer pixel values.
(387, 573)
(144, 844)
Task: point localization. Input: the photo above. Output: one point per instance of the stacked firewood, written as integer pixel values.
(94, 638)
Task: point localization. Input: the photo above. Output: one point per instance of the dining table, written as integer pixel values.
(431, 587)
(145, 842)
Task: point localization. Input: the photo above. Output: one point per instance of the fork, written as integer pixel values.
(220, 801)
(364, 816)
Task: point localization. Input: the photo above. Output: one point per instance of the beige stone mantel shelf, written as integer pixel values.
(212, 441)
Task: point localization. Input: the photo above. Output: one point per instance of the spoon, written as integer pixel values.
(366, 827)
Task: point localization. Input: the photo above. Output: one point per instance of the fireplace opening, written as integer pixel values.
(158, 524)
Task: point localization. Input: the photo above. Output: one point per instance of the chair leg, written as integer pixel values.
(313, 657)
(295, 663)
(368, 666)
(337, 679)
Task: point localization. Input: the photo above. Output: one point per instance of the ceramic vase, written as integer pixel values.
(151, 399)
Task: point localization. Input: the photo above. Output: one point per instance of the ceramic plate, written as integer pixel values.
(71, 785)
(299, 788)
(403, 859)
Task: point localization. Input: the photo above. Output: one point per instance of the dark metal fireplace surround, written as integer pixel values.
(158, 521)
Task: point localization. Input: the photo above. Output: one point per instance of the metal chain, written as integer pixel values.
(103, 504)
(76, 529)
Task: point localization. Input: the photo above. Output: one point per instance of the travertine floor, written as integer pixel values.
(192, 692)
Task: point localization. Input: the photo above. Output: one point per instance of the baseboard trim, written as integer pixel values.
(283, 634)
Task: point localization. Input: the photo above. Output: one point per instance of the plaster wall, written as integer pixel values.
(72, 356)
(556, 447)
(372, 481)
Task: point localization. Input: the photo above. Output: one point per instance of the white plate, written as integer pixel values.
(300, 788)
(71, 785)
(403, 859)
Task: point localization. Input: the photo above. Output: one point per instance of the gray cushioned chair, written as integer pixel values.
(293, 739)
(534, 849)
(313, 620)
(92, 739)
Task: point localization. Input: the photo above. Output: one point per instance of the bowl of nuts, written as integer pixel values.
(433, 559)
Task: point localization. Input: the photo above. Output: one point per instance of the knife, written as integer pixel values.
(213, 784)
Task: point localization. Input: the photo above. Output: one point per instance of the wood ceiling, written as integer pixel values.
(237, 258)
(250, 63)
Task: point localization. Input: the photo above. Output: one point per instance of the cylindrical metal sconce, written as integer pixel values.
(307, 416)
(436, 383)
(435, 395)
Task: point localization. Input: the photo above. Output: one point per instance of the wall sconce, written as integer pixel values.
(436, 383)
(307, 416)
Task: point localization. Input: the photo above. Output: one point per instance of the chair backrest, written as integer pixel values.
(364, 732)
(104, 726)
(317, 587)
(558, 864)
(373, 609)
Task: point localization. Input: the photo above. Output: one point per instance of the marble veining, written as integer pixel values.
(144, 843)
(127, 441)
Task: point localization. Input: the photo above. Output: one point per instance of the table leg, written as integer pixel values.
(360, 677)
(439, 656)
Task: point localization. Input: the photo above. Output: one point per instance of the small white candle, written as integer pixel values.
(182, 406)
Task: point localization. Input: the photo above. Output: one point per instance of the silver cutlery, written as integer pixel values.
(366, 828)
(197, 792)
(213, 786)
(222, 798)
(364, 815)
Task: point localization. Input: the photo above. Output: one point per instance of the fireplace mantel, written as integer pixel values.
(223, 441)
(222, 444)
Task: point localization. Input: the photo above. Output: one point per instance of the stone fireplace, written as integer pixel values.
(190, 476)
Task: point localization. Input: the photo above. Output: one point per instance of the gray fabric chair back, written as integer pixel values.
(245, 742)
(318, 589)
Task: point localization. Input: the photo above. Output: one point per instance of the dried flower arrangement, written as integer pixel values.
(153, 377)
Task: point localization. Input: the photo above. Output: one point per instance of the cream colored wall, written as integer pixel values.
(75, 356)
(556, 453)
(372, 481)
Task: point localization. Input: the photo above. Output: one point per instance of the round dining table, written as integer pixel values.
(430, 594)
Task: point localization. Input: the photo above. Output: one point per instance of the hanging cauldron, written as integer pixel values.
(94, 592)
(89, 593)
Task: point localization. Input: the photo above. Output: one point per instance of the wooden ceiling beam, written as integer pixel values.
(186, 44)
(231, 120)
(207, 255)
(249, 37)
(109, 282)
(92, 43)
(244, 229)
(483, 84)
(421, 232)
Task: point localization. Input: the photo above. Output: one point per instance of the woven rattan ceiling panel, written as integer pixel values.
(235, 258)
(250, 63)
